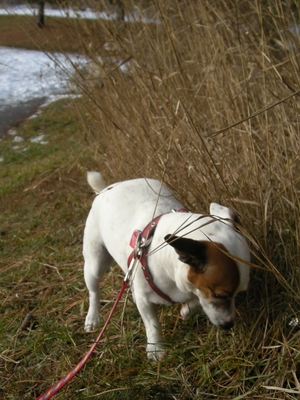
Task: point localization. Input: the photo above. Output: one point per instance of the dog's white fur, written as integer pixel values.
(209, 279)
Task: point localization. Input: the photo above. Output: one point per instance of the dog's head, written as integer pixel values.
(214, 275)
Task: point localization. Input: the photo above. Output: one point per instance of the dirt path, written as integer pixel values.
(11, 116)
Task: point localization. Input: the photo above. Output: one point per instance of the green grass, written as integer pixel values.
(41, 219)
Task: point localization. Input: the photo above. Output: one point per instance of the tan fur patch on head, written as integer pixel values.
(220, 276)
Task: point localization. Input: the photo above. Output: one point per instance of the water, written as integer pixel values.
(28, 78)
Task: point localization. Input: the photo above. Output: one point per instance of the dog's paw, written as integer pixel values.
(91, 323)
(189, 308)
(155, 352)
(185, 311)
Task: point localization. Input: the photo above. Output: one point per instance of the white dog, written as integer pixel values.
(187, 257)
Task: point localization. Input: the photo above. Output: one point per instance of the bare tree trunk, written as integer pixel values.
(41, 22)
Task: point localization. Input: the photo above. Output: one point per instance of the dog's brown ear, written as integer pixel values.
(191, 252)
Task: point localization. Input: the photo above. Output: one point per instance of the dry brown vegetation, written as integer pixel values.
(208, 103)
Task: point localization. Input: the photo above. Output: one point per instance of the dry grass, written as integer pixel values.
(209, 104)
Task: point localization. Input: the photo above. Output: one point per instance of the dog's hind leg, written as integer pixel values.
(97, 261)
(95, 265)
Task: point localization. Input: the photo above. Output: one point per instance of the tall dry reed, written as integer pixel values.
(207, 100)
(209, 103)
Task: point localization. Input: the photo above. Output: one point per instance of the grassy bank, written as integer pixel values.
(209, 103)
(43, 205)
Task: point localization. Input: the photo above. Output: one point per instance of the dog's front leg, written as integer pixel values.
(148, 312)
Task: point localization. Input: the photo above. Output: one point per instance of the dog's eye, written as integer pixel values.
(221, 296)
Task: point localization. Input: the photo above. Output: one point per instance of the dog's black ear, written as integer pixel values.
(233, 215)
(191, 252)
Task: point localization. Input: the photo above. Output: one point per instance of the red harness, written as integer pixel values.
(146, 236)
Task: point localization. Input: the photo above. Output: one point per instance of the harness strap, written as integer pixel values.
(145, 238)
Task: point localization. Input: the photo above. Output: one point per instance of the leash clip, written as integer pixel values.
(130, 270)
(137, 253)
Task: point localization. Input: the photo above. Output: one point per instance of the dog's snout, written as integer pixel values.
(227, 325)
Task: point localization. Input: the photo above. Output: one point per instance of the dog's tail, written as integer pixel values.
(96, 181)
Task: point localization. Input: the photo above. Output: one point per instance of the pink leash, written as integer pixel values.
(65, 379)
